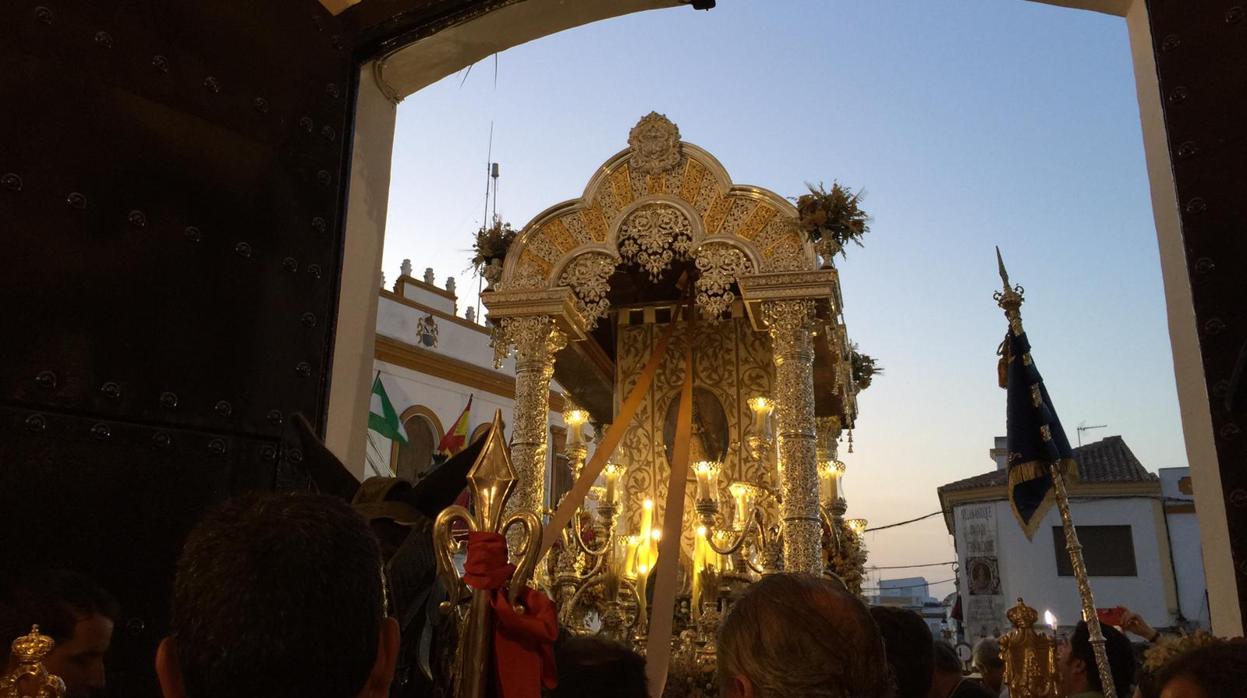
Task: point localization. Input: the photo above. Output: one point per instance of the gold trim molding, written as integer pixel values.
(449, 368)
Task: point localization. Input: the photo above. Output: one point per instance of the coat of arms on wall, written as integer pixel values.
(426, 331)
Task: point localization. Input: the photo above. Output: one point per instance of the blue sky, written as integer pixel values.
(969, 123)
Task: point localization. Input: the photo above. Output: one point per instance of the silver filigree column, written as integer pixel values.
(790, 325)
(536, 339)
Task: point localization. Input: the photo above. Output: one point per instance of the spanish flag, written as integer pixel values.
(457, 436)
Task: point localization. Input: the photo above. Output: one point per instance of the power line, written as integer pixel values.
(907, 567)
(902, 523)
(910, 586)
(1175, 500)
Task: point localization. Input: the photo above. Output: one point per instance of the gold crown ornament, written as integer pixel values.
(30, 679)
(1030, 658)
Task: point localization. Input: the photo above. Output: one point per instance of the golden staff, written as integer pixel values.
(1010, 300)
(491, 481)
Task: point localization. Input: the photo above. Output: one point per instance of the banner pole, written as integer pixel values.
(1074, 548)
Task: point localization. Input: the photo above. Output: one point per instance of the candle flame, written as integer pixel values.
(1049, 619)
(648, 504)
(760, 403)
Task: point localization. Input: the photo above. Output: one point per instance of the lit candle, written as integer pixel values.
(575, 419)
(699, 562)
(829, 474)
(611, 473)
(705, 472)
(647, 523)
(1050, 620)
(742, 494)
(632, 543)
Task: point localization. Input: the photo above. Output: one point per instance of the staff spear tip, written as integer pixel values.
(1004, 275)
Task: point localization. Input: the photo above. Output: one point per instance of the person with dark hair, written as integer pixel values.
(947, 679)
(280, 596)
(75, 613)
(590, 666)
(1211, 671)
(911, 654)
(800, 636)
(1079, 675)
(989, 665)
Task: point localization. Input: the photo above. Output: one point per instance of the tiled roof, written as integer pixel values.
(1107, 460)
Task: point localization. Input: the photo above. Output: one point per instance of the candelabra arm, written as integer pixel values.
(830, 521)
(740, 539)
(584, 547)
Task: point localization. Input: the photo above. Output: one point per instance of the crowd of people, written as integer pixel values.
(285, 595)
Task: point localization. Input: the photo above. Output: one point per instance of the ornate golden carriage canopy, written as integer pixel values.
(588, 284)
(650, 214)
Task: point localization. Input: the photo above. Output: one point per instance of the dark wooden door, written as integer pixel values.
(171, 195)
(1201, 60)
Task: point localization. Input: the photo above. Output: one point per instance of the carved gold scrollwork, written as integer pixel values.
(790, 322)
(536, 340)
(719, 266)
(653, 236)
(655, 144)
(588, 276)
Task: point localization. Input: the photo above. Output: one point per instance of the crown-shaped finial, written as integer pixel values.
(1022, 617)
(32, 647)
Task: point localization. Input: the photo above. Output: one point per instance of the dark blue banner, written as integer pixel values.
(1036, 439)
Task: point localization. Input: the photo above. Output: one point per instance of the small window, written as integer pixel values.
(416, 457)
(1108, 551)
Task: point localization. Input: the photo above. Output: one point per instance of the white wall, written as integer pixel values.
(1028, 568)
(1188, 555)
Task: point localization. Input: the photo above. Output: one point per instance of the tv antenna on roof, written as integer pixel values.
(1082, 426)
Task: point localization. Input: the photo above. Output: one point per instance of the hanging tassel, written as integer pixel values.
(1002, 366)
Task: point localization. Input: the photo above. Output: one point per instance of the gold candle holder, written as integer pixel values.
(1031, 668)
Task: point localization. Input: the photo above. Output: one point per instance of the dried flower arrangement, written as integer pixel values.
(833, 217)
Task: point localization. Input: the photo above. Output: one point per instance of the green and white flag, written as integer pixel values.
(381, 415)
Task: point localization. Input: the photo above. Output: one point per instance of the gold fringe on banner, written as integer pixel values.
(1033, 470)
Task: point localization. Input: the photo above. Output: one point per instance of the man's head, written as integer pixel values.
(589, 666)
(1077, 661)
(988, 664)
(75, 613)
(279, 595)
(911, 654)
(946, 673)
(1208, 672)
(800, 635)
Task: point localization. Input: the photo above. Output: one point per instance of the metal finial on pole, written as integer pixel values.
(1000, 262)
(1009, 298)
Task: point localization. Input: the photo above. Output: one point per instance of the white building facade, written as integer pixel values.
(1134, 540)
(430, 360)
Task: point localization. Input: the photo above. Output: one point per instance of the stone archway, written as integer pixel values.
(439, 41)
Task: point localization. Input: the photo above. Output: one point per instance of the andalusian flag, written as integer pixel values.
(457, 436)
(381, 415)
